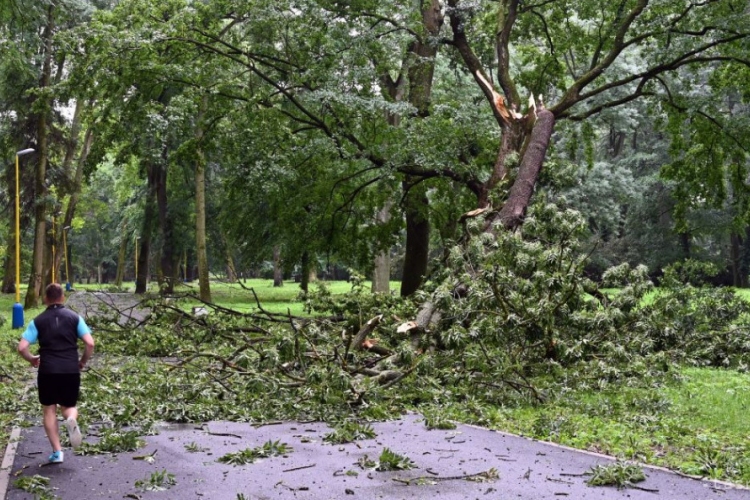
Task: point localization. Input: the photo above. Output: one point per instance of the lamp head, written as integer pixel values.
(25, 151)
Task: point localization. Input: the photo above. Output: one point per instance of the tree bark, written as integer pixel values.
(121, 258)
(40, 187)
(169, 257)
(149, 218)
(278, 275)
(200, 208)
(417, 239)
(381, 274)
(514, 209)
(416, 209)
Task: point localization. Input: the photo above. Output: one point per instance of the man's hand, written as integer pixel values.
(34, 361)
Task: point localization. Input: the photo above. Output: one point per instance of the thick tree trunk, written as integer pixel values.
(514, 209)
(200, 210)
(33, 292)
(149, 218)
(169, 258)
(417, 239)
(416, 209)
(685, 244)
(744, 270)
(143, 244)
(305, 272)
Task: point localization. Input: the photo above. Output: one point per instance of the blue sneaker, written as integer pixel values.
(56, 457)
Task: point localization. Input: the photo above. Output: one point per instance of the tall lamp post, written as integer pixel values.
(65, 256)
(17, 307)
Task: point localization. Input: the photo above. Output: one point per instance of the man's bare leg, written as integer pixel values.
(69, 411)
(49, 415)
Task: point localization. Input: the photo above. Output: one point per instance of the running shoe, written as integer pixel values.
(74, 432)
(56, 457)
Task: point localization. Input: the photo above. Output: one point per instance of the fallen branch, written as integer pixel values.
(486, 475)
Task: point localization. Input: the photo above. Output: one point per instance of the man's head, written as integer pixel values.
(53, 294)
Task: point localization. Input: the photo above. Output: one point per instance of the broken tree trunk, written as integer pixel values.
(514, 210)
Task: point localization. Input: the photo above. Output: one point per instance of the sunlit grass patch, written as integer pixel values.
(716, 400)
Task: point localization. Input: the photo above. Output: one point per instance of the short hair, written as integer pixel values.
(53, 292)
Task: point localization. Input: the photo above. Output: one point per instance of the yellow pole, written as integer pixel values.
(18, 236)
(17, 307)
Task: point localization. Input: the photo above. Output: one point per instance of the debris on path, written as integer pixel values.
(182, 461)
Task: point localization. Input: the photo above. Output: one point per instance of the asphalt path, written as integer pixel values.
(449, 464)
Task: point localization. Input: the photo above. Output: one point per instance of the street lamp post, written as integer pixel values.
(65, 256)
(17, 307)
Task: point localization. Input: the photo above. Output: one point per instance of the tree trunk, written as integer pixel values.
(305, 272)
(121, 259)
(231, 272)
(40, 186)
(519, 196)
(381, 274)
(76, 177)
(685, 244)
(278, 275)
(200, 209)
(416, 202)
(739, 256)
(417, 239)
(169, 257)
(149, 218)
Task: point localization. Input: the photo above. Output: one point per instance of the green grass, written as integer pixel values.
(716, 400)
(284, 300)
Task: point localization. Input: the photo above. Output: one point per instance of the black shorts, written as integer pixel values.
(59, 388)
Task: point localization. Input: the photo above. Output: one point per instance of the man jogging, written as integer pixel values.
(59, 379)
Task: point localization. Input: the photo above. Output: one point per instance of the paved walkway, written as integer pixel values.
(315, 470)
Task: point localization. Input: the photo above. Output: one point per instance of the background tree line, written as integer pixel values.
(223, 136)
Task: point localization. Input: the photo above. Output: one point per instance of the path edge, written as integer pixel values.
(700, 479)
(8, 458)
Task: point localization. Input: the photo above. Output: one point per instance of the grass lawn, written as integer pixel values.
(284, 300)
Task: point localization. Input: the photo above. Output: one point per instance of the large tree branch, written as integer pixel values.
(461, 43)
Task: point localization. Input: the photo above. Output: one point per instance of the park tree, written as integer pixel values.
(710, 158)
(149, 92)
(34, 70)
(534, 65)
(397, 104)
